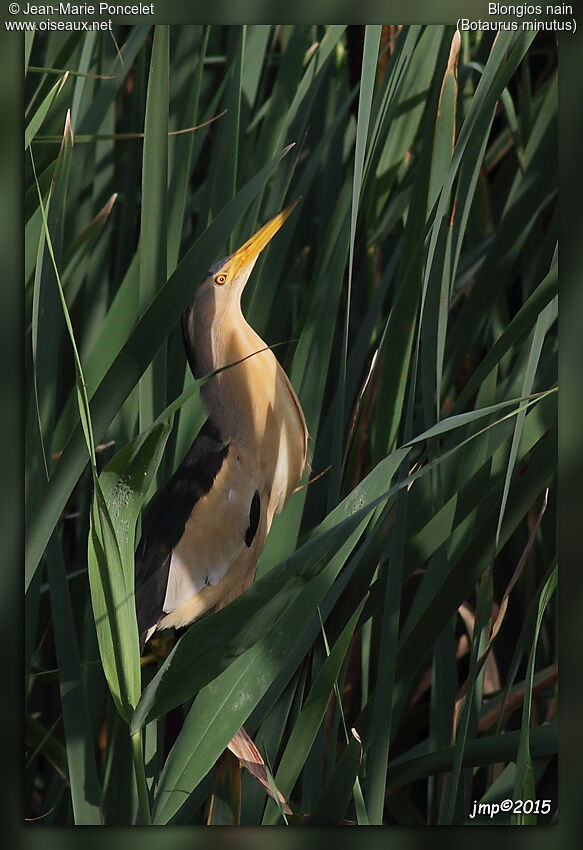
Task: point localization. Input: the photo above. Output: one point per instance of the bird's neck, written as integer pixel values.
(252, 403)
(238, 397)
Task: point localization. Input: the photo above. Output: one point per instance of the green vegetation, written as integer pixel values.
(396, 658)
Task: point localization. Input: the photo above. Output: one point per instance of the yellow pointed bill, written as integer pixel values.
(247, 254)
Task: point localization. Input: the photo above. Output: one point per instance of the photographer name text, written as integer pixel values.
(82, 9)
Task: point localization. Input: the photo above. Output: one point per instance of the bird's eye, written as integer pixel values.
(221, 279)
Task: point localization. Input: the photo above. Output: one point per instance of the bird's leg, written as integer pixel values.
(225, 807)
(160, 647)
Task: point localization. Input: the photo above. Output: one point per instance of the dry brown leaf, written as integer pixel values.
(468, 617)
(243, 747)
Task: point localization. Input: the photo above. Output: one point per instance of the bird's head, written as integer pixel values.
(229, 276)
(217, 300)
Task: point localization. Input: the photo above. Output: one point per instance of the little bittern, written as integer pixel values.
(207, 527)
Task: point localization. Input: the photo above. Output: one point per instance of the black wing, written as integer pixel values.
(166, 520)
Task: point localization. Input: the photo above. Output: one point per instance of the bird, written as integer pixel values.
(207, 527)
